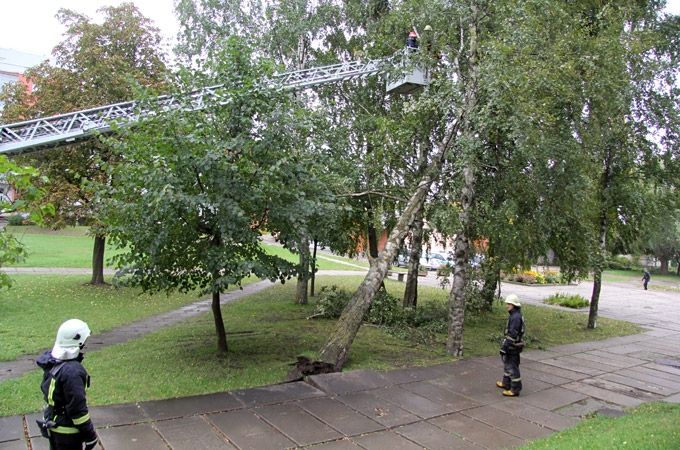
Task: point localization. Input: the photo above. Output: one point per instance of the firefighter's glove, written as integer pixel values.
(92, 444)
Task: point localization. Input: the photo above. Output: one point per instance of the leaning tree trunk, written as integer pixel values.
(461, 248)
(303, 275)
(336, 349)
(411, 290)
(598, 266)
(98, 260)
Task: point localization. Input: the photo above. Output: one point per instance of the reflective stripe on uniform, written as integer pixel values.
(81, 420)
(64, 430)
(50, 393)
(516, 379)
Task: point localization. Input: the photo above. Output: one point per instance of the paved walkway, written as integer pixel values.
(454, 405)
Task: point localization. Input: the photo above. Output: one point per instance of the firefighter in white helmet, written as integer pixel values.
(511, 347)
(66, 419)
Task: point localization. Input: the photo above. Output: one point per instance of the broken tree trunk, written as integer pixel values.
(336, 349)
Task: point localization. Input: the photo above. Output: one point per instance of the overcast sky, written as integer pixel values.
(30, 25)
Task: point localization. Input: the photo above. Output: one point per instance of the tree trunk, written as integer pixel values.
(219, 323)
(313, 270)
(663, 267)
(597, 272)
(411, 290)
(336, 349)
(492, 275)
(98, 260)
(303, 275)
(454, 341)
(372, 236)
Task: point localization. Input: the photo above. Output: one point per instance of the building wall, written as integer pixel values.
(13, 64)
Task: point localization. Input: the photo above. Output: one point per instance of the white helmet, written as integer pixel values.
(71, 338)
(513, 300)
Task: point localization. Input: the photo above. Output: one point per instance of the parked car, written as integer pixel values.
(433, 261)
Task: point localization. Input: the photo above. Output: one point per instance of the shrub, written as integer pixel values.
(552, 277)
(385, 310)
(419, 325)
(331, 302)
(15, 220)
(619, 263)
(569, 301)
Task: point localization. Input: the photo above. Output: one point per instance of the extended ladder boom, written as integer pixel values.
(66, 128)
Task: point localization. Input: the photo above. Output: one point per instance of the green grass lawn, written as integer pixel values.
(669, 282)
(72, 247)
(35, 306)
(653, 426)
(265, 333)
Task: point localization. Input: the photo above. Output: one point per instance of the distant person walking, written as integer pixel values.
(645, 278)
(511, 347)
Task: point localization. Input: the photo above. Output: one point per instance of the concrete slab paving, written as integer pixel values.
(434, 438)
(114, 415)
(401, 376)
(132, 437)
(247, 431)
(452, 401)
(545, 418)
(340, 416)
(585, 407)
(297, 424)
(656, 375)
(386, 440)
(509, 423)
(553, 398)
(476, 431)
(346, 382)
(413, 403)
(13, 445)
(643, 385)
(576, 365)
(603, 394)
(623, 389)
(276, 393)
(378, 409)
(341, 444)
(663, 368)
(11, 428)
(191, 433)
(547, 378)
(188, 406)
(552, 370)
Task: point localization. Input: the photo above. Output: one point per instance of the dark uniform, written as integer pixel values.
(645, 279)
(64, 393)
(510, 349)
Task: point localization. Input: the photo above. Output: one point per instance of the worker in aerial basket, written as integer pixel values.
(412, 41)
(511, 347)
(66, 419)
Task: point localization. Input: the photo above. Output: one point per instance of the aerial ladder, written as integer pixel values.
(67, 128)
